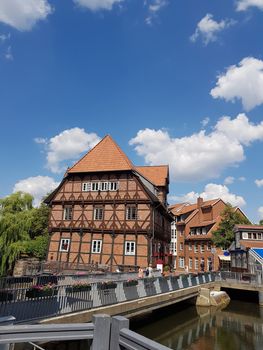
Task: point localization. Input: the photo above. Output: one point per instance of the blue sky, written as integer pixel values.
(172, 81)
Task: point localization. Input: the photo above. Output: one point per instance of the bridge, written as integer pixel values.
(74, 299)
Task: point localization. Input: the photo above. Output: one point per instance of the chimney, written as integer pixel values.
(199, 202)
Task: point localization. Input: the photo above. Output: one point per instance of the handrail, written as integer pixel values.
(25, 333)
(129, 340)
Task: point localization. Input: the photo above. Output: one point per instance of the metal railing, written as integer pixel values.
(28, 304)
(239, 277)
(105, 332)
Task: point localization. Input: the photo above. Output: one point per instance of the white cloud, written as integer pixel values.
(68, 145)
(244, 82)
(202, 155)
(23, 14)
(229, 180)
(212, 191)
(8, 55)
(154, 6)
(260, 212)
(205, 121)
(259, 183)
(207, 29)
(243, 5)
(95, 5)
(242, 178)
(37, 186)
(4, 37)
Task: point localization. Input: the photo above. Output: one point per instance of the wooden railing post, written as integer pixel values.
(118, 323)
(101, 337)
(6, 321)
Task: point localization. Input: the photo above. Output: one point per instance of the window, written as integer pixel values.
(196, 248)
(96, 246)
(190, 246)
(259, 235)
(203, 230)
(67, 214)
(98, 213)
(95, 186)
(113, 186)
(104, 186)
(64, 245)
(190, 263)
(196, 263)
(198, 231)
(86, 186)
(209, 246)
(244, 235)
(129, 248)
(131, 213)
(181, 262)
(202, 248)
(181, 246)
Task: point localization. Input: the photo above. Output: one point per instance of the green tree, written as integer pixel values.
(261, 222)
(224, 235)
(23, 229)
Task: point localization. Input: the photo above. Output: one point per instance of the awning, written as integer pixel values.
(224, 258)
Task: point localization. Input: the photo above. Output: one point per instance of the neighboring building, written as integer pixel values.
(108, 211)
(247, 250)
(194, 225)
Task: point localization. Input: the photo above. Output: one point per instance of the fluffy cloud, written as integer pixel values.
(200, 156)
(212, 191)
(68, 145)
(259, 183)
(244, 82)
(38, 186)
(243, 5)
(95, 5)
(207, 29)
(154, 6)
(260, 212)
(229, 180)
(23, 15)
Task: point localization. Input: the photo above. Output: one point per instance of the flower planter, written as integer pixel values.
(74, 289)
(130, 283)
(36, 293)
(106, 285)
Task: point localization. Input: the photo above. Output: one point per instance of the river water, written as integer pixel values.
(187, 327)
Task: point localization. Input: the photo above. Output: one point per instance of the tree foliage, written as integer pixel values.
(23, 229)
(223, 236)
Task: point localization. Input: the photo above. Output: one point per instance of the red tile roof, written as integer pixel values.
(105, 156)
(158, 175)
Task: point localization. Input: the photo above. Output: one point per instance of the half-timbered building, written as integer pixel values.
(108, 211)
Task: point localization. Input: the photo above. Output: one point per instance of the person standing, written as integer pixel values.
(140, 273)
(150, 270)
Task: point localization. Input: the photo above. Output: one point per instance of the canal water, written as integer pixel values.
(187, 327)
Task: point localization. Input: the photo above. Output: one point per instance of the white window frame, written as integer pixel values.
(64, 241)
(190, 263)
(196, 248)
(204, 231)
(208, 247)
(96, 246)
(98, 213)
(86, 186)
(103, 186)
(196, 263)
(181, 262)
(95, 186)
(202, 248)
(131, 212)
(68, 213)
(113, 186)
(130, 247)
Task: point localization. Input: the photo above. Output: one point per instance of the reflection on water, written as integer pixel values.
(238, 327)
